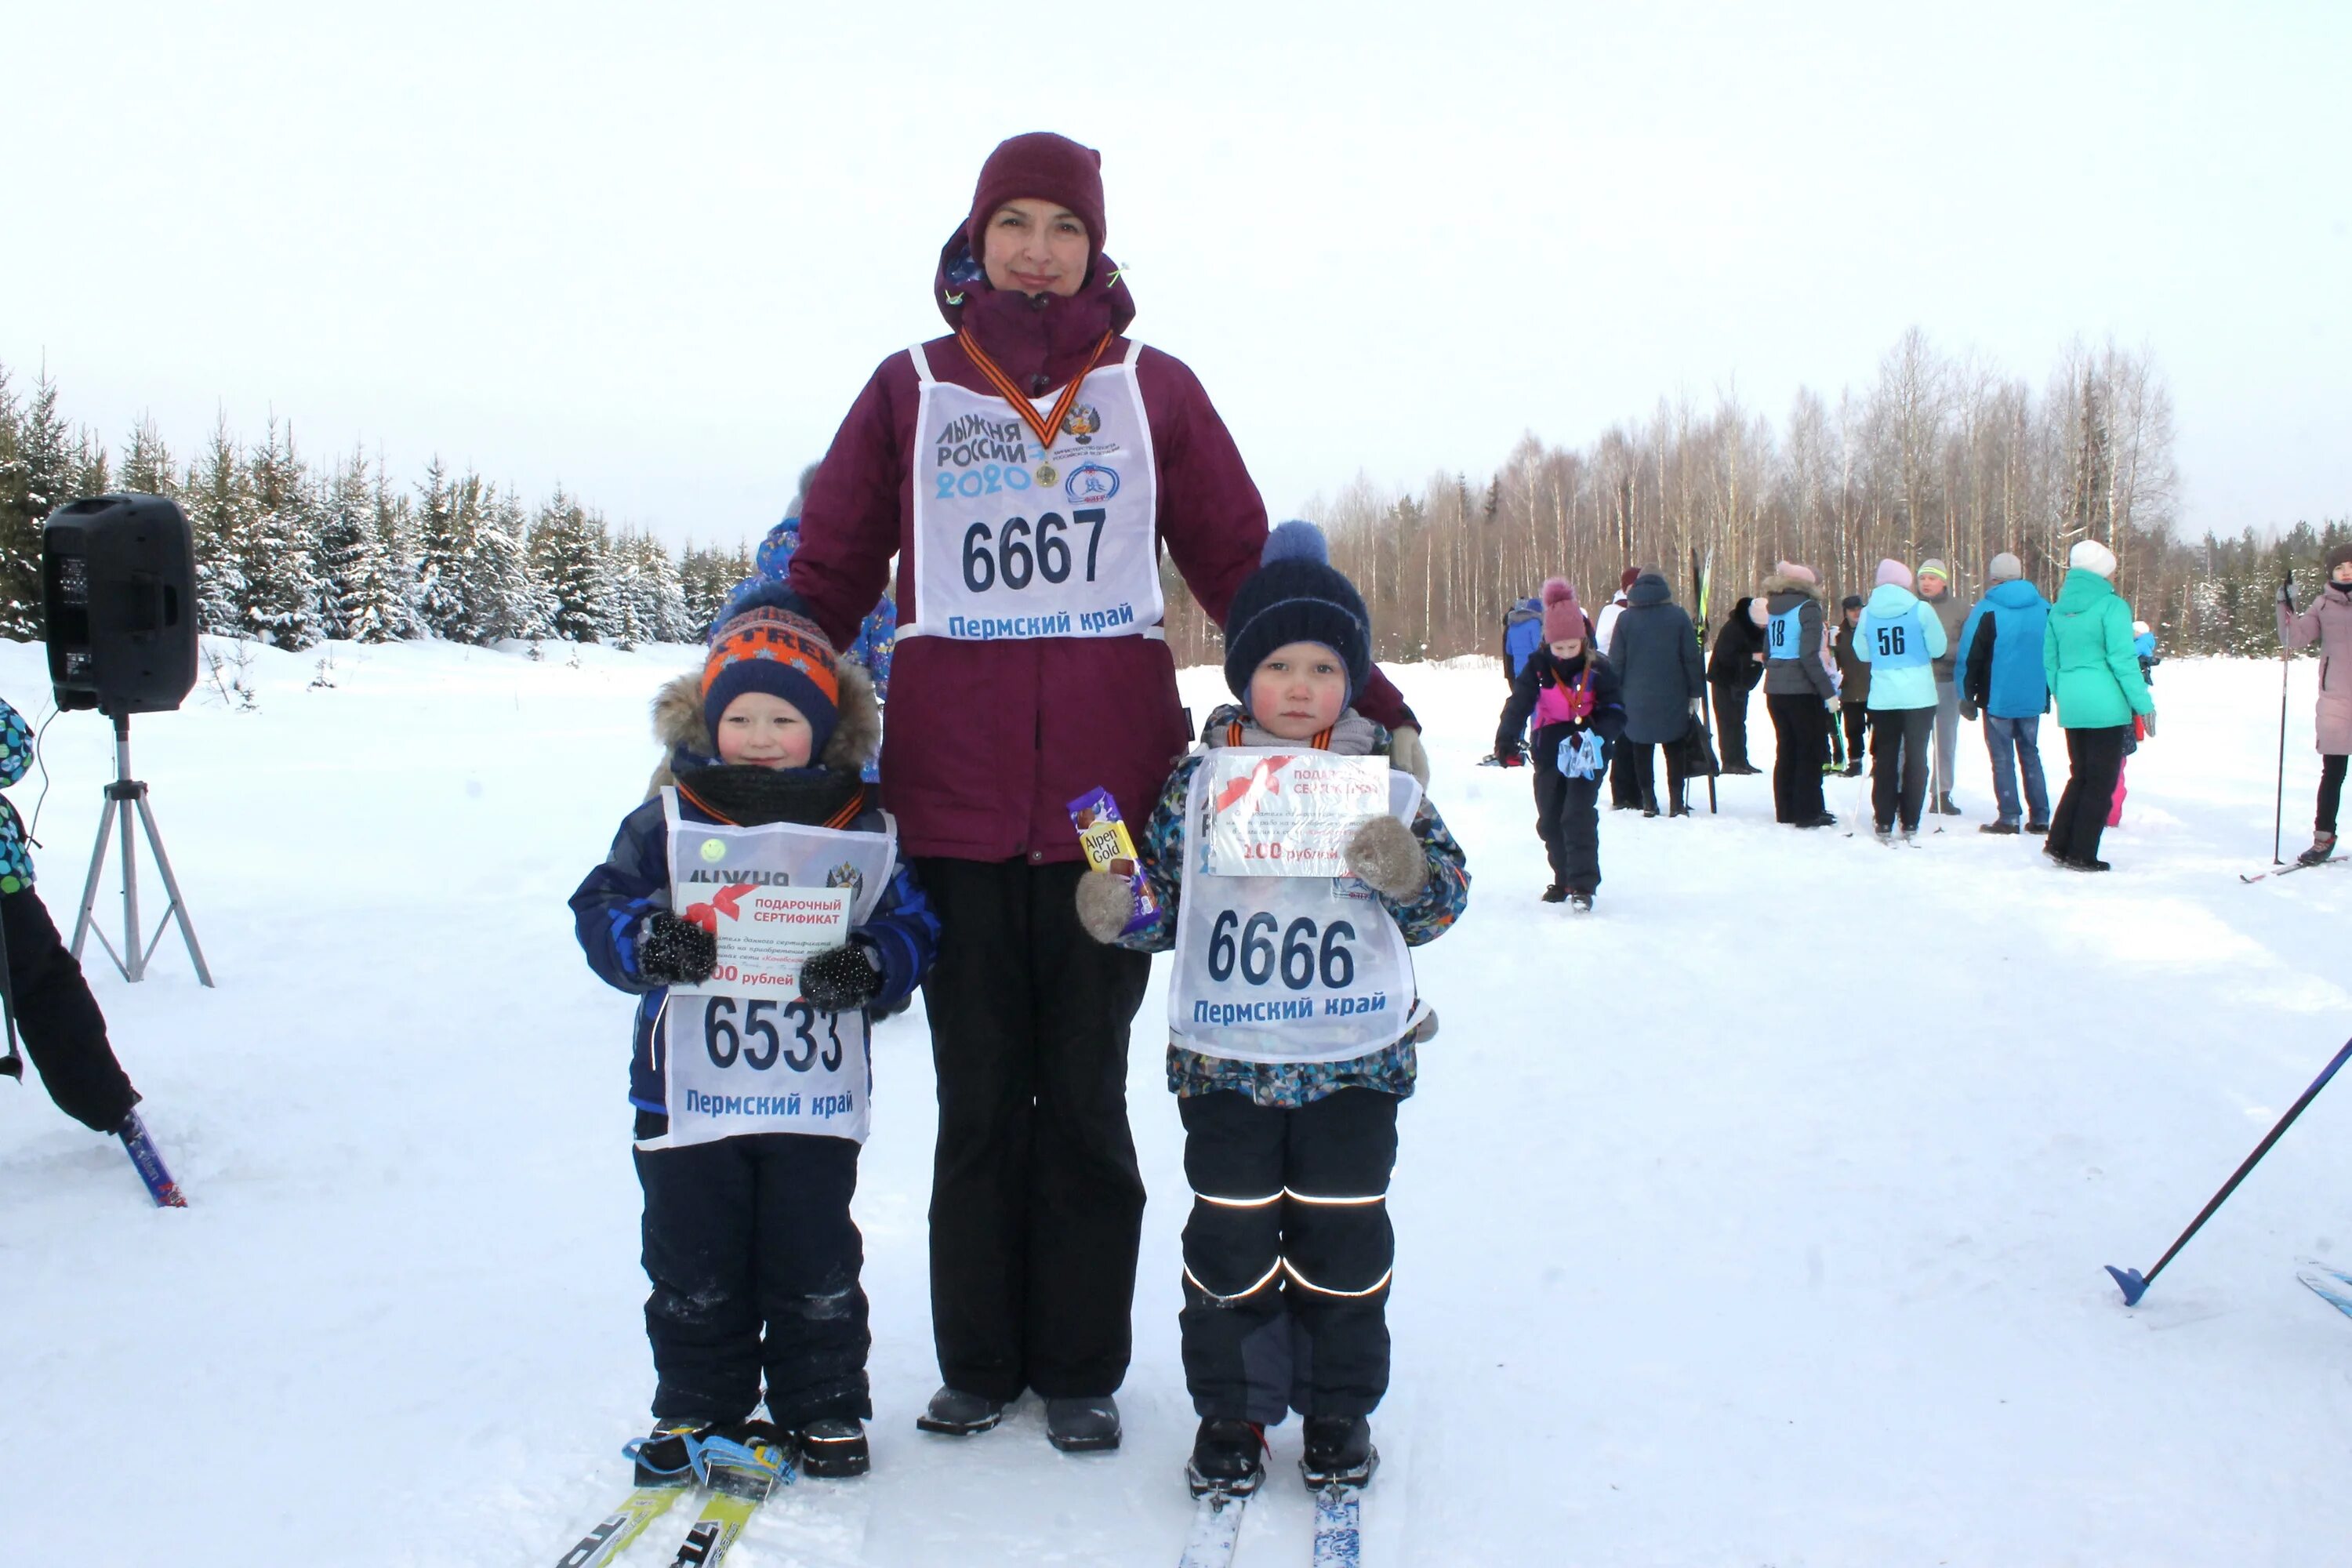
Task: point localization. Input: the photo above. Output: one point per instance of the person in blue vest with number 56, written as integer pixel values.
(1900, 639)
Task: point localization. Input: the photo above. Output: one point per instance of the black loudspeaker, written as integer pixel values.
(118, 589)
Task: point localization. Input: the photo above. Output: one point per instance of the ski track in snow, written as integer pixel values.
(1755, 1219)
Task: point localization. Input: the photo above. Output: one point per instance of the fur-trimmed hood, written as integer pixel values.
(679, 726)
(1782, 583)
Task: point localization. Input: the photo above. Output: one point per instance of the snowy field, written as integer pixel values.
(1755, 1219)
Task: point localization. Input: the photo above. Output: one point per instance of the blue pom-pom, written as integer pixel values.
(757, 592)
(1294, 540)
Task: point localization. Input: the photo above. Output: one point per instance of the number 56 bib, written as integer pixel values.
(1287, 969)
(750, 1055)
(1013, 540)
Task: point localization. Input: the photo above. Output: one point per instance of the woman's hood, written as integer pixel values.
(1649, 588)
(2016, 594)
(1781, 582)
(2082, 589)
(1890, 599)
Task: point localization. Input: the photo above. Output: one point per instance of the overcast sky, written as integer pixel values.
(653, 251)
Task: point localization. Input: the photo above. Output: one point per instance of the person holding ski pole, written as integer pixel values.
(49, 997)
(1287, 1083)
(1572, 696)
(1899, 638)
(2102, 701)
(1026, 470)
(2328, 623)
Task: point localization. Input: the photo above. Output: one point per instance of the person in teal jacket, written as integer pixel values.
(2093, 670)
(2000, 666)
(1900, 639)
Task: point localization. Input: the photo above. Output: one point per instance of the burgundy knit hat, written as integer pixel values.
(1562, 616)
(1043, 166)
(1625, 578)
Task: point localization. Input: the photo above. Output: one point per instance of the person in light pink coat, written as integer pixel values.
(2328, 623)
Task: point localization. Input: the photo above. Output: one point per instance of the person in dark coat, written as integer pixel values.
(1732, 671)
(1571, 691)
(1029, 669)
(1656, 651)
(1800, 692)
(1853, 683)
(1625, 791)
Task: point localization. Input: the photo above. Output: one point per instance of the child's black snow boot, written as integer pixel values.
(833, 1448)
(1339, 1452)
(1228, 1457)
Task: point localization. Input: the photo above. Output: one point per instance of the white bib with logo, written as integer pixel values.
(1284, 968)
(1013, 540)
(744, 1052)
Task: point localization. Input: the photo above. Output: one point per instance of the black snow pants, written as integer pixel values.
(1800, 730)
(64, 1032)
(754, 1263)
(1288, 1254)
(1568, 816)
(1730, 699)
(1899, 738)
(1642, 762)
(1857, 722)
(1036, 1200)
(2095, 759)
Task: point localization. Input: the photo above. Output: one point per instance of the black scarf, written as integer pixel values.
(750, 796)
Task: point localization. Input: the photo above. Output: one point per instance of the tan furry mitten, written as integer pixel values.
(1385, 854)
(1106, 903)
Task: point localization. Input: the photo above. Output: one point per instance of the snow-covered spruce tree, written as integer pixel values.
(397, 532)
(495, 582)
(40, 461)
(663, 608)
(220, 511)
(567, 551)
(441, 554)
(20, 545)
(350, 556)
(147, 466)
(281, 555)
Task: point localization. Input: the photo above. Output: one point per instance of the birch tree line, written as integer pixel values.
(1938, 457)
(291, 550)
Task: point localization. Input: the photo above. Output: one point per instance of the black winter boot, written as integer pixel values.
(1554, 894)
(952, 1413)
(833, 1448)
(1228, 1456)
(1339, 1452)
(2323, 845)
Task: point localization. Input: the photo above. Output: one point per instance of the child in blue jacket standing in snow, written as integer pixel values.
(1294, 1017)
(752, 1089)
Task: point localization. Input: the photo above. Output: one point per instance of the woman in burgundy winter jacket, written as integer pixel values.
(1026, 470)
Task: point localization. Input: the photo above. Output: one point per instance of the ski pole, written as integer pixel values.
(2286, 664)
(2134, 1283)
(12, 1064)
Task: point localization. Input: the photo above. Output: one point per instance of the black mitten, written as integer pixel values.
(840, 978)
(670, 950)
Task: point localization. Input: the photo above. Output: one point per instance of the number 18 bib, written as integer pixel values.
(1287, 969)
(744, 1052)
(1015, 541)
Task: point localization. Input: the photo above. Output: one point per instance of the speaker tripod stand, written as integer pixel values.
(125, 794)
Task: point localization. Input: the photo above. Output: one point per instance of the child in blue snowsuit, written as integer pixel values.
(1288, 1142)
(751, 1108)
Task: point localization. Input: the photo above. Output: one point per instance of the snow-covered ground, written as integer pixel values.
(1756, 1219)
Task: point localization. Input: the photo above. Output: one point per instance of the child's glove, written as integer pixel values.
(670, 950)
(840, 978)
(1385, 854)
(1407, 754)
(1106, 903)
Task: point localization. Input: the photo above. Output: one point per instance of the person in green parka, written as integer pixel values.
(2094, 670)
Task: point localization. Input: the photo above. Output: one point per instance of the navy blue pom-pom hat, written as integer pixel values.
(1295, 596)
